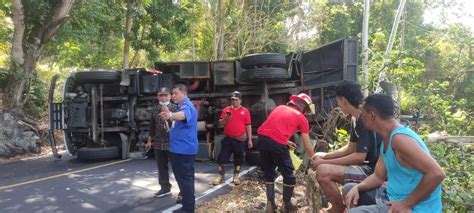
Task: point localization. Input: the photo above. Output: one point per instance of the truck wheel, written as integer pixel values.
(264, 74)
(97, 77)
(98, 154)
(263, 60)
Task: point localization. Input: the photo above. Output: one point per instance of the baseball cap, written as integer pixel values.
(164, 91)
(236, 94)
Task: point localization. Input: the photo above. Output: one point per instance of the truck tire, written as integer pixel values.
(98, 154)
(97, 77)
(263, 60)
(264, 74)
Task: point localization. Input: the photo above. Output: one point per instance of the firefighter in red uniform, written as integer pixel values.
(237, 131)
(274, 144)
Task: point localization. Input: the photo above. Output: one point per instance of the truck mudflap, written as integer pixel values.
(55, 116)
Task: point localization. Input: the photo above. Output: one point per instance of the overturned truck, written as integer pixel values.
(106, 114)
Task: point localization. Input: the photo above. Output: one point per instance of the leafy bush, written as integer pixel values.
(36, 105)
(342, 139)
(457, 162)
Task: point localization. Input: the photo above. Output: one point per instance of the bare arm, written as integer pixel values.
(178, 116)
(356, 158)
(343, 151)
(307, 145)
(352, 158)
(410, 154)
(249, 132)
(374, 180)
(173, 115)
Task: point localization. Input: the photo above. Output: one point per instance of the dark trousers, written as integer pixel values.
(162, 159)
(273, 155)
(183, 169)
(231, 146)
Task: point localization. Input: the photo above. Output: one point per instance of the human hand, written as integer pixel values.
(148, 146)
(292, 144)
(321, 155)
(352, 197)
(165, 116)
(250, 144)
(398, 207)
(316, 162)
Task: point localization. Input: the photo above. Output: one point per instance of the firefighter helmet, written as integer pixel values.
(306, 99)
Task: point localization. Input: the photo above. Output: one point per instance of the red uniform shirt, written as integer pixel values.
(235, 126)
(282, 123)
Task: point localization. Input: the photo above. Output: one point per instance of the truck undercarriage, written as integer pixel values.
(106, 114)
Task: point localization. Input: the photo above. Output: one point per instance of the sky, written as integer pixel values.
(464, 16)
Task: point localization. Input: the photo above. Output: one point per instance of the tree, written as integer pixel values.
(31, 35)
(162, 24)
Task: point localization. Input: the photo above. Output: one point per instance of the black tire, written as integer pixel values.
(97, 77)
(98, 154)
(264, 74)
(263, 60)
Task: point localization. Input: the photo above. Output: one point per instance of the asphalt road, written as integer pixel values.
(68, 185)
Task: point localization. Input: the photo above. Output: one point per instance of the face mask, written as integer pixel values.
(164, 103)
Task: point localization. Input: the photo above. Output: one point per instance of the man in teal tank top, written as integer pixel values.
(413, 176)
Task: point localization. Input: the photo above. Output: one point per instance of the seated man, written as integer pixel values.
(413, 176)
(353, 162)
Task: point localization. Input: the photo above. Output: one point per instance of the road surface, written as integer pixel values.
(68, 185)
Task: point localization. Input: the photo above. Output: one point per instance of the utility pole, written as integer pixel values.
(365, 48)
(382, 76)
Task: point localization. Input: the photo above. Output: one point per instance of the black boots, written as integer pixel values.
(287, 194)
(271, 206)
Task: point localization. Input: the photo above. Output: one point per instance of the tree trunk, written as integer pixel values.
(18, 19)
(128, 29)
(219, 31)
(25, 53)
(14, 93)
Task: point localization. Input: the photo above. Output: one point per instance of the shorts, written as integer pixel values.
(356, 174)
(369, 201)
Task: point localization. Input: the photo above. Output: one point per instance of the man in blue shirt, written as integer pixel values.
(183, 144)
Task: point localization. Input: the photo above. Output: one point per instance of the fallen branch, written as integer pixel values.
(456, 140)
(30, 126)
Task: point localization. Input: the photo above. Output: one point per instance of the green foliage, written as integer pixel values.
(92, 38)
(342, 139)
(161, 24)
(337, 21)
(38, 99)
(458, 186)
(5, 36)
(439, 89)
(433, 68)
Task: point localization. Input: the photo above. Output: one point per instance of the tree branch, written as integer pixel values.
(60, 14)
